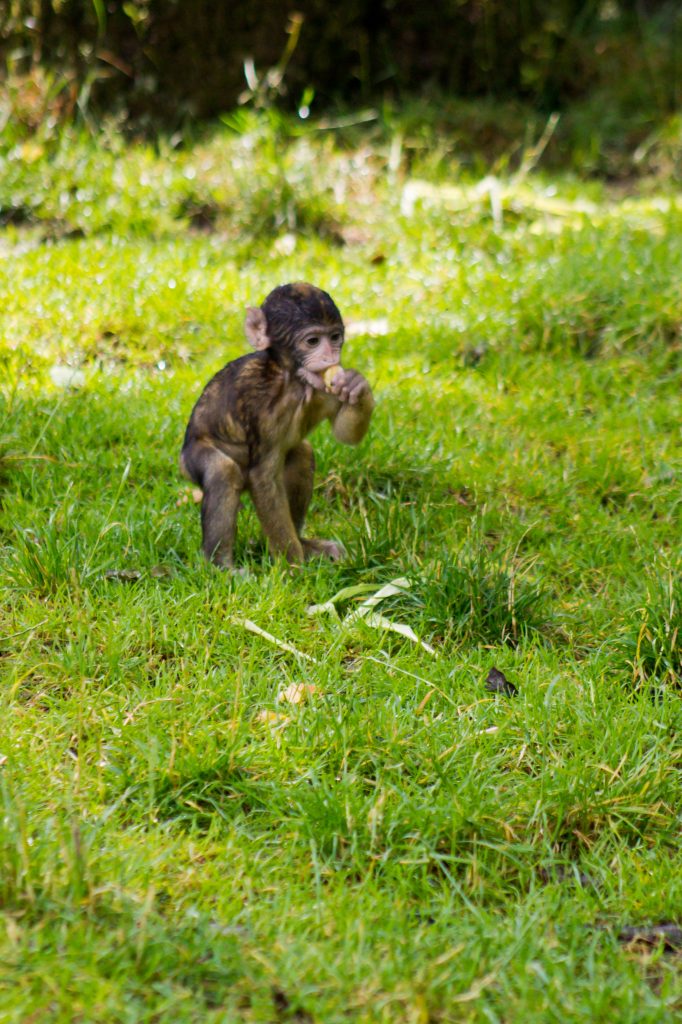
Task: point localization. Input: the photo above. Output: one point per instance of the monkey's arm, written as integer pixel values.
(351, 420)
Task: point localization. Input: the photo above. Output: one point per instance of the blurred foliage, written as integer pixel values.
(264, 175)
(171, 59)
(253, 178)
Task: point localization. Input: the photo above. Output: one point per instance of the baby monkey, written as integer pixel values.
(246, 432)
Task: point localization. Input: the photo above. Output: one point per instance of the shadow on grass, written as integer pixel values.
(197, 794)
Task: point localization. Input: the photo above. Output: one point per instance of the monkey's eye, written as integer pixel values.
(336, 338)
(312, 340)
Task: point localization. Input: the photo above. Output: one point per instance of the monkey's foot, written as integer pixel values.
(323, 548)
(235, 570)
(225, 564)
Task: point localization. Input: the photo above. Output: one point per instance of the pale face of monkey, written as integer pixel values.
(319, 348)
(303, 325)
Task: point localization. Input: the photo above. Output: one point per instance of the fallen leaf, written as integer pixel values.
(381, 622)
(667, 934)
(124, 575)
(296, 693)
(364, 609)
(497, 682)
(389, 590)
(342, 595)
(272, 718)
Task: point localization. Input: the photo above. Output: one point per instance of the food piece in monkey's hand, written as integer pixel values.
(247, 431)
(329, 374)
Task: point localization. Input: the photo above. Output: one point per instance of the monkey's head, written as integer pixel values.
(301, 324)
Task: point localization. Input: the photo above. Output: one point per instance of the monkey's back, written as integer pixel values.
(230, 409)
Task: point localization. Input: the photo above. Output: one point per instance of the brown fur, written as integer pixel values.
(247, 430)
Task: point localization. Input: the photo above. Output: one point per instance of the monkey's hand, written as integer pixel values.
(350, 387)
(351, 420)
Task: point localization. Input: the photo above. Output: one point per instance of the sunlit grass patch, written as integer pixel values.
(400, 843)
(652, 643)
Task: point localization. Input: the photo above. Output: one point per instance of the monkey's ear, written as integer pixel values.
(256, 327)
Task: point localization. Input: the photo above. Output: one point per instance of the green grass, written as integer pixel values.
(402, 846)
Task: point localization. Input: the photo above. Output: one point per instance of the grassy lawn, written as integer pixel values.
(180, 843)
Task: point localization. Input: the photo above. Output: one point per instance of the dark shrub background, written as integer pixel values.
(178, 58)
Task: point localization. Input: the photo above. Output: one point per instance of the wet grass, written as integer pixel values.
(181, 844)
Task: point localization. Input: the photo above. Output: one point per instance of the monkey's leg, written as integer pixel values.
(271, 502)
(222, 482)
(299, 470)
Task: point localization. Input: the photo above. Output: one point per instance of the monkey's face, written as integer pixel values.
(302, 324)
(318, 347)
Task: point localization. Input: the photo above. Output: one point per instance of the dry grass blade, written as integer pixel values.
(364, 609)
(377, 621)
(282, 644)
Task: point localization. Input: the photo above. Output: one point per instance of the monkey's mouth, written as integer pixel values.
(314, 379)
